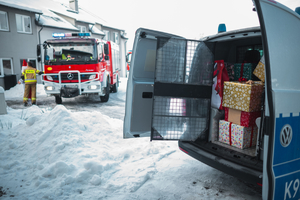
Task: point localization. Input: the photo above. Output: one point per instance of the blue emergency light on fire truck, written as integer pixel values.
(171, 86)
(76, 64)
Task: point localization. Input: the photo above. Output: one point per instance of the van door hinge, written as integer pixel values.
(143, 35)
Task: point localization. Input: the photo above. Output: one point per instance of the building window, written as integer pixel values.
(107, 38)
(6, 66)
(116, 37)
(3, 21)
(23, 23)
(82, 29)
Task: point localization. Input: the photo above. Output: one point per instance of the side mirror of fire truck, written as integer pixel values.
(106, 51)
(38, 50)
(106, 57)
(38, 53)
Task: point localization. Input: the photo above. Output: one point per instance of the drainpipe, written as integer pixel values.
(92, 29)
(40, 45)
(125, 69)
(76, 6)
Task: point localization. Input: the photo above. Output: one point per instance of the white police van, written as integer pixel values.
(169, 97)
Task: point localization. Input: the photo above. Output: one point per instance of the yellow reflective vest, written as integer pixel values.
(30, 75)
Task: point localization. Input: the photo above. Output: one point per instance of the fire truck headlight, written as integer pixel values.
(92, 76)
(50, 78)
(49, 88)
(93, 87)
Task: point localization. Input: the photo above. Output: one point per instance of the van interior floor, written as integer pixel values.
(245, 157)
(248, 151)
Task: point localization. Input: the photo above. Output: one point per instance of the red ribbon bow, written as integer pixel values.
(242, 79)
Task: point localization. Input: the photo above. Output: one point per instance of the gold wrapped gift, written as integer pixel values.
(243, 96)
(260, 70)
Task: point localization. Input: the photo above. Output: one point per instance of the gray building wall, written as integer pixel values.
(96, 36)
(16, 45)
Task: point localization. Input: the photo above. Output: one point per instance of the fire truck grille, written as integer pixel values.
(182, 90)
(71, 77)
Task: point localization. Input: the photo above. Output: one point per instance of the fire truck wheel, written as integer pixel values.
(115, 86)
(106, 96)
(58, 100)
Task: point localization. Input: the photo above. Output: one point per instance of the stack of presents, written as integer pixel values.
(241, 101)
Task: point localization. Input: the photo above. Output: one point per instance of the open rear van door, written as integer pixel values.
(280, 29)
(139, 93)
(169, 87)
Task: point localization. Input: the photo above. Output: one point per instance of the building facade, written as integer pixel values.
(18, 41)
(23, 28)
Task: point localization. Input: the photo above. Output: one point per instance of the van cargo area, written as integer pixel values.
(185, 113)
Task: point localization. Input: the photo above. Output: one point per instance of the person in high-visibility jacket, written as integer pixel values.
(24, 66)
(29, 77)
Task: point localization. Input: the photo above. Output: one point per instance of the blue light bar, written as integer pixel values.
(297, 10)
(221, 28)
(84, 34)
(58, 35)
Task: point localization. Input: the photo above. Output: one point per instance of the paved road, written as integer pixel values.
(114, 108)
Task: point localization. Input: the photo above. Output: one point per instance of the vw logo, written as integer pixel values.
(70, 76)
(286, 135)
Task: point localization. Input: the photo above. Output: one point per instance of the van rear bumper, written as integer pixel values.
(245, 173)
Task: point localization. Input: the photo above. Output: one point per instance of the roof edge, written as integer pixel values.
(29, 9)
(241, 30)
(57, 27)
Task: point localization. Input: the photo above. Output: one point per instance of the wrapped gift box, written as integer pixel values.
(215, 116)
(248, 69)
(236, 135)
(242, 118)
(243, 96)
(260, 70)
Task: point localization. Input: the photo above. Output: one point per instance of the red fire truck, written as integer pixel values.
(128, 60)
(76, 64)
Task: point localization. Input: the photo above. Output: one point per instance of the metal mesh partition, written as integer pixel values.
(179, 118)
(182, 89)
(170, 53)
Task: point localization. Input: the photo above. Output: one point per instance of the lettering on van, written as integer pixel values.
(289, 189)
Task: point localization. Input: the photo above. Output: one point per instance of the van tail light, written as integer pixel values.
(259, 184)
(184, 150)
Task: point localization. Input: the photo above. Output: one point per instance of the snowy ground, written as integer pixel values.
(76, 151)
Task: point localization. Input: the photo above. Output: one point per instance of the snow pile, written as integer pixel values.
(63, 154)
(59, 154)
(17, 91)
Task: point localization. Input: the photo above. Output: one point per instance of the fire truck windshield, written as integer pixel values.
(62, 53)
